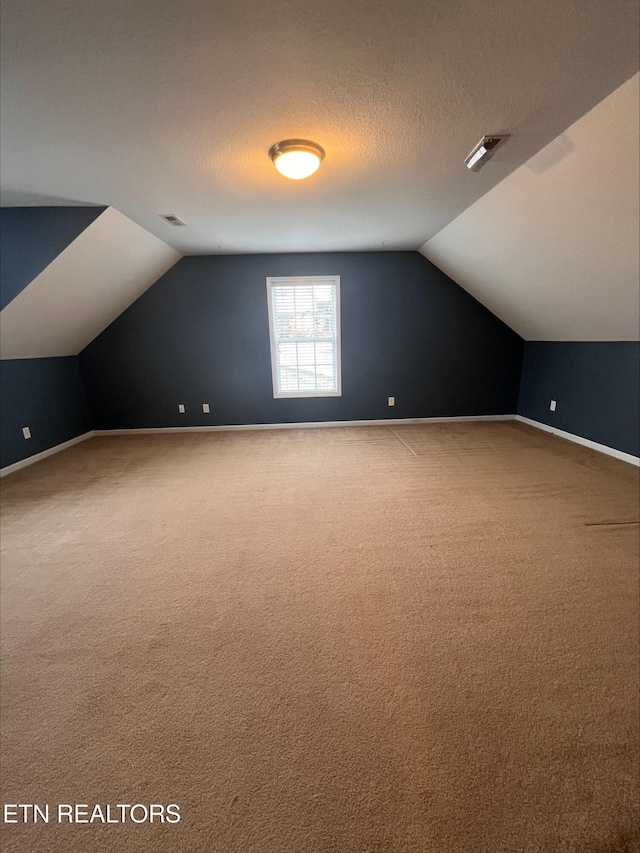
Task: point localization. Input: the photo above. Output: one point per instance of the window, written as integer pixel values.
(304, 327)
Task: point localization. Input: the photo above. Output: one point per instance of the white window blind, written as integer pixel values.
(304, 326)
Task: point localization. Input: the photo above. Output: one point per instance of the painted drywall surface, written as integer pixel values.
(200, 335)
(45, 394)
(171, 108)
(553, 249)
(31, 238)
(595, 384)
(84, 289)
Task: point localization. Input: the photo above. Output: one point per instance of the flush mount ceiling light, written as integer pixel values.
(296, 158)
(484, 150)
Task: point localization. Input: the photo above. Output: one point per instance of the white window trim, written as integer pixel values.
(301, 280)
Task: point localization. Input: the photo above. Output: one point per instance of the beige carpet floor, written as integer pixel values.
(343, 640)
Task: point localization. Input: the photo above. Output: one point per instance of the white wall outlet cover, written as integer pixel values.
(181, 408)
(26, 432)
(392, 401)
(205, 408)
(552, 406)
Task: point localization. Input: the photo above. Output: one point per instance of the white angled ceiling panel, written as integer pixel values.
(84, 289)
(553, 249)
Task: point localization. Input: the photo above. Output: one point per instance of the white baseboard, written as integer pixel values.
(37, 457)
(302, 425)
(577, 439)
(586, 442)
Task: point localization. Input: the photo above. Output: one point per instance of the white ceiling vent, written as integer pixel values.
(172, 219)
(484, 150)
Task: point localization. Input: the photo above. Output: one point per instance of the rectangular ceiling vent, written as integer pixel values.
(484, 150)
(172, 219)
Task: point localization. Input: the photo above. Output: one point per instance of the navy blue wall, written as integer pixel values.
(596, 386)
(32, 237)
(200, 334)
(45, 394)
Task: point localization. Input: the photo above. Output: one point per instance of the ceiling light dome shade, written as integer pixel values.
(296, 158)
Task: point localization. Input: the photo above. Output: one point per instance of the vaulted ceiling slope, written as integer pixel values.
(553, 249)
(88, 285)
(170, 106)
(31, 237)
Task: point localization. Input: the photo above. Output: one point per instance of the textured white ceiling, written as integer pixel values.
(106, 268)
(553, 249)
(170, 107)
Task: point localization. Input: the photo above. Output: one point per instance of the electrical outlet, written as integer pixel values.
(205, 408)
(181, 408)
(391, 401)
(26, 432)
(552, 405)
